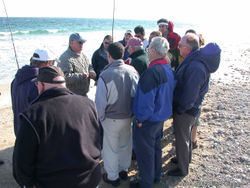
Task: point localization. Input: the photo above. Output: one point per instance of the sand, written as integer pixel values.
(223, 156)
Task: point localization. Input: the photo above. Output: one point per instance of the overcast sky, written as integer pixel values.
(191, 11)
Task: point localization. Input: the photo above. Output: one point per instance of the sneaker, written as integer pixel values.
(114, 183)
(123, 175)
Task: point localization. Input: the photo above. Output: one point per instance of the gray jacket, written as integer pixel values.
(73, 65)
(115, 90)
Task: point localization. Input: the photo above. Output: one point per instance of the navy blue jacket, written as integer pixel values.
(192, 77)
(154, 94)
(23, 91)
(126, 53)
(99, 61)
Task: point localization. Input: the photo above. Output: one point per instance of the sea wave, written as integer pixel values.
(35, 32)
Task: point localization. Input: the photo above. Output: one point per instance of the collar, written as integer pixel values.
(159, 61)
(51, 93)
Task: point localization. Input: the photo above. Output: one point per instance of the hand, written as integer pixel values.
(85, 75)
(92, 75)
(128, 61)
(139, 125)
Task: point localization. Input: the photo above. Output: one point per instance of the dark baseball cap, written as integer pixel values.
(76, 37)
(51, 75)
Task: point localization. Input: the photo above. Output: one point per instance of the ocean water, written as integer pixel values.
(32, 33)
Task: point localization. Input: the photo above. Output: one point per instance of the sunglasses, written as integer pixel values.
(79, 42)
(107, 43)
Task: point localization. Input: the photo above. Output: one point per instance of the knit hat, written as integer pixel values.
(49, 75)
(135, 42)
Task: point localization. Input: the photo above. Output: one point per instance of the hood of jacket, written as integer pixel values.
(170, 27)
(27, 72)
(209, 56)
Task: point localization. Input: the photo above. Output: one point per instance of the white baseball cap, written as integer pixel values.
(43, 54)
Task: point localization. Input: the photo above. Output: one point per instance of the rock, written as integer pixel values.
(220, 107)
(206, 109)
(244, 159)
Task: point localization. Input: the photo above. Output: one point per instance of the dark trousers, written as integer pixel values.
(101, 134)
(147, 140)
(183, 144)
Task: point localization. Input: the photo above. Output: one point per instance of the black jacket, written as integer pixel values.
(99, 61)
(58, 142)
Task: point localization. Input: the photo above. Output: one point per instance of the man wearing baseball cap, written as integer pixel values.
(127, 35)
(23, 90)
(57, 147)
(76, 66)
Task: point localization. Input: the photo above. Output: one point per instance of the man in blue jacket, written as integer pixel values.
(23, 90)
(192, 78)
(152, 106)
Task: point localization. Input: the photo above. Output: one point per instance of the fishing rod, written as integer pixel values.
(113, 20)
(11, 35)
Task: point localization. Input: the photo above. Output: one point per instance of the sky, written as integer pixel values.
(190, 11)
(214, 17)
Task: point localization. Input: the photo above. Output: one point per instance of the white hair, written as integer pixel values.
(161, 46)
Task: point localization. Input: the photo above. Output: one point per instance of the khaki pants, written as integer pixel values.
(117, 146)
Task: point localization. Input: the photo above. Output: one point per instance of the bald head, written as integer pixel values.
(188, 43)
(190, 40)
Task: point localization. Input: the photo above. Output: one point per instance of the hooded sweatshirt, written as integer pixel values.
(192, 78)
(173, 39)
(23, 91)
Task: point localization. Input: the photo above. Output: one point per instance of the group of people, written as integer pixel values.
(61, 135)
